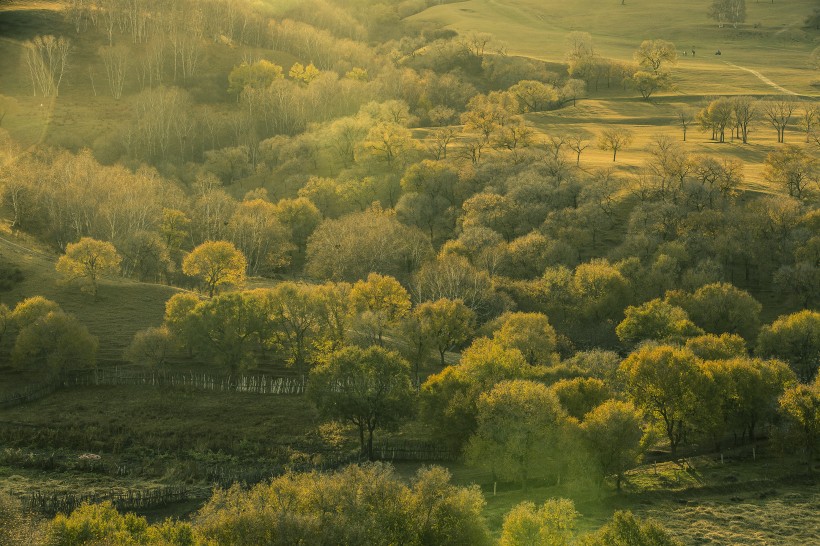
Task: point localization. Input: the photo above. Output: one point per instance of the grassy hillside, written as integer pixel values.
(122, 308)
(771, 41)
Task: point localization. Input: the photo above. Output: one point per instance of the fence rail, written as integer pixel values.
(255, 384)
(412, 450)
(132, 499)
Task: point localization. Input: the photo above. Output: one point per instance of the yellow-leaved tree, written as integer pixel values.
(86, 260)
(215, 263)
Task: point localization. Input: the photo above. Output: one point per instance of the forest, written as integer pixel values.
(416, 272)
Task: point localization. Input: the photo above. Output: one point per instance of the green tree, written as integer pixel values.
(449, 398)
(614, 433)
(530, 333)
(713, 347)
(801, 406)
(151, 347)
(227, 327)
(384, 510)
(87, 260)
(625, 529)
(656, 320)
(551, 524)
(31, 309)
(580, 395)
(216, 263)
(56, 343)
(520, 428)
(446, 323)
(180, 319)
(794, 339)
(601, 290)
(720, 308)
(295, 311)
(102, 524)
(664, 381)
(370, 388)
(379, 302)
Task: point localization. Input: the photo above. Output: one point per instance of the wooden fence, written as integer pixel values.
(131, 499)
(256, 384)
(29, 394)
(412, 450)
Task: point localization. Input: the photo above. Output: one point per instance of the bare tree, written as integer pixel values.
(744, 111)
(577, 144)
(115, 59)
(779, 112)
(440, 141)
(685, 118)
(47, 60)
(809, 120)
(615, 139)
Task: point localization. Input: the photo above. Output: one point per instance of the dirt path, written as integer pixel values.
(763, 78)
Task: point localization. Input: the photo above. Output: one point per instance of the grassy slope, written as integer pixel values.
(538, 28)
(122, 308)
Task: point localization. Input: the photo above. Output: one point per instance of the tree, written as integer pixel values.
(614, 433)
(664, 381)
(55, 343)
(150, 346)
(647, 83)
(379, 302)
(551, 524)
(445, 323)
(534, 96)
(713, 347)
(32, 309)
(370, 388)
(351, 247)
(794, 339)
(102, 524)
(577, 144)
(384, 510)
(530, 333)
(520, 425)
(388, 142)
(719, 308)
(728, 11)
(216, 263)
(115, 59)
(685, 118)
(47, 60)
(744, 111)
(227, 329)
(295, 311)
(448, 399)
(656, 320)
(87, 260)
(779, 112)
(801, 405)
(749, 389)
(258, 75)
(601, 290)
(653, 54)
(624, 528)
(794, 168)
(615, 139)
